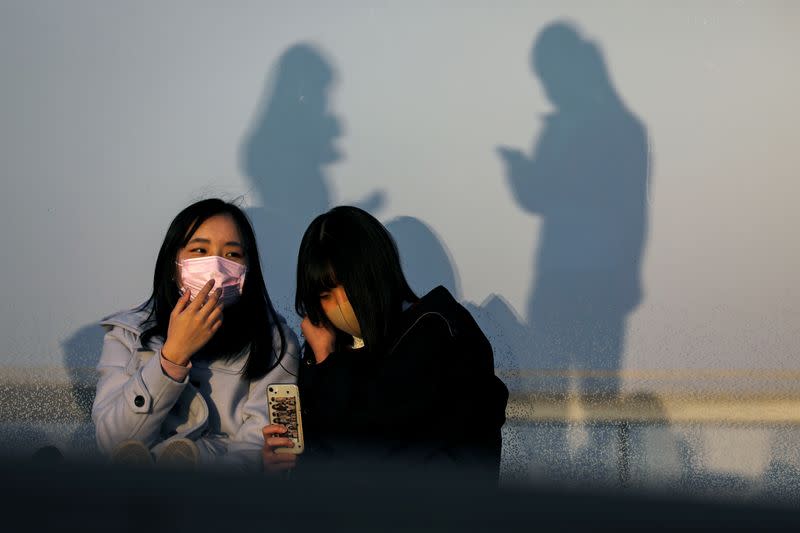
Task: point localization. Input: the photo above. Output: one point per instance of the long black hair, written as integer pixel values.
(249, 323)
(347, 246)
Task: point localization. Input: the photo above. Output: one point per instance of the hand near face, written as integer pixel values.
(321, 339)
(516, 162)
(192, 324)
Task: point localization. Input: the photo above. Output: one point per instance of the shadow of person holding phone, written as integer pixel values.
(587, 181)
(285, 156)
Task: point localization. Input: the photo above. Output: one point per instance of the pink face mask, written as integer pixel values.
(227, 275)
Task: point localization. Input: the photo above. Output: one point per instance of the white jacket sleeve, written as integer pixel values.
(133, 395)
(244, 448)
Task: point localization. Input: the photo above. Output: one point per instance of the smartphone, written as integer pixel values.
(283, 402)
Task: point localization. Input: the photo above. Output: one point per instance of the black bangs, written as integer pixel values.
(316, 277)
(196, 224)
(349, 247)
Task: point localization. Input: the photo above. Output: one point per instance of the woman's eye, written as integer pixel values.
(235, 255)
(198, 250)
(324, 296)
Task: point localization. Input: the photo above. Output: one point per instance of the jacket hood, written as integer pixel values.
(438, 302)
(474, 351)
(134, 320)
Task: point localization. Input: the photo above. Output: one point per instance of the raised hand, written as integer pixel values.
(192, 324)
(321, 339)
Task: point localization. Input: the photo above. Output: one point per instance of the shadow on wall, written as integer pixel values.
(587, 180)
(426, 261)
(285, 155)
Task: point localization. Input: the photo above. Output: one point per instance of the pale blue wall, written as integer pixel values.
(629, 205)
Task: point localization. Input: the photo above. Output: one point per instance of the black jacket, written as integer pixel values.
(430, 398)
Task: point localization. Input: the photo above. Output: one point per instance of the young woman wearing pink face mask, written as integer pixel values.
(183, 376)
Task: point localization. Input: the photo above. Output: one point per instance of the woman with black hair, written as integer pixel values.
(179, 384)
(388, 378)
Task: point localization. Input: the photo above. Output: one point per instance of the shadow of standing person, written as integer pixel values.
(587, 180)
(284, 155)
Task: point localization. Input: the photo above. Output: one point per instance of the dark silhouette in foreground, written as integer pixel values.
(95, 497)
